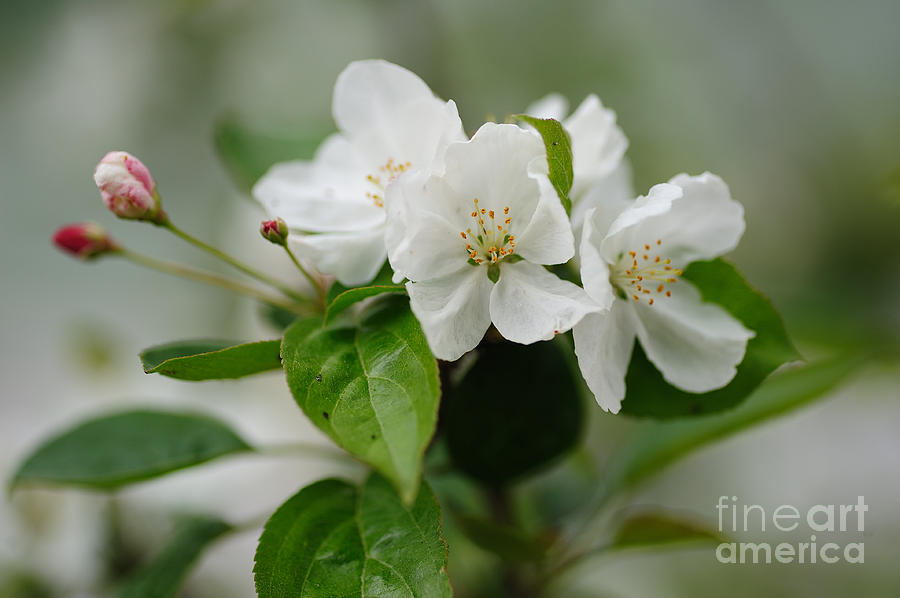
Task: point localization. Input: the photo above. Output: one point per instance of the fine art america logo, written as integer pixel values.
(821, 519)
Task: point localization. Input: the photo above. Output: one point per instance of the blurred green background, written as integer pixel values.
(796, 104)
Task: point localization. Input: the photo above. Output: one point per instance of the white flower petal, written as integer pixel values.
(453, 310)
(374, 91)
(553, 105)
(548, 238)
(336, 158)
(421, 242)
(598, 144)
(694, 217)
(603, 345)
(611, 195)
(325, 195)
(389, 112)
(529, 304)
(594, 269)
(354, 258)
(496, 166)
(624, 234)
(696, 345)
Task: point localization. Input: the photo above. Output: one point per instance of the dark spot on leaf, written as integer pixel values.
(373, 437)
(325, 414)
(556, 143)
(318, 377)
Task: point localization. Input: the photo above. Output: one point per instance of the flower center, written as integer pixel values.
(388, 172)
(645, 274)
(489, 240)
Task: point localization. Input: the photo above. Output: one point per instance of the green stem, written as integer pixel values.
(209, 278)
(512, 578)
(313, 280)
(166, 223)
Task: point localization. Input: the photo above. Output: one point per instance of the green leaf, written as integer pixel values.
(642, 530)
(648, 394)
(121, 449)
(163, 576)
(509, 543)
(248, 154)
(355, 295)
(559, 155)
(332, 539)
(515, 411)
(383, 278)
(657, 444)
(211, 360)
(371, 385)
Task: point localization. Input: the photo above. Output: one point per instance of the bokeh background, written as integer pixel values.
(795, 104)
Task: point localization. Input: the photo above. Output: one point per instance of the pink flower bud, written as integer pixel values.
(274, 231)
(126, 187)
(86, 240)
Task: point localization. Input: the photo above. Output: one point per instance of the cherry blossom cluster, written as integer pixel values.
(473, 223)
(478, 232)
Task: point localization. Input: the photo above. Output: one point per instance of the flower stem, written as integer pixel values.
(315, 281)
(209, 278)
(166, 223)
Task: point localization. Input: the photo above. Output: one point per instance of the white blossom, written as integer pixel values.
(389, 122)
(473, 240)
(631, 265)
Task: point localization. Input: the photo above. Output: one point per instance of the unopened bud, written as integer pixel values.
(127, 188)
(274, 231)
(86, 240)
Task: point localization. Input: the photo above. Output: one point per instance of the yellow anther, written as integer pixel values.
(494, 244)
(646, 278)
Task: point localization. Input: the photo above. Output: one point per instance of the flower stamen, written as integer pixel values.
(390, 170)
(652, 276)
(491, 242)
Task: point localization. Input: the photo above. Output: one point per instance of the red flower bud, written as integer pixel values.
(86, 240)
(274, 231)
